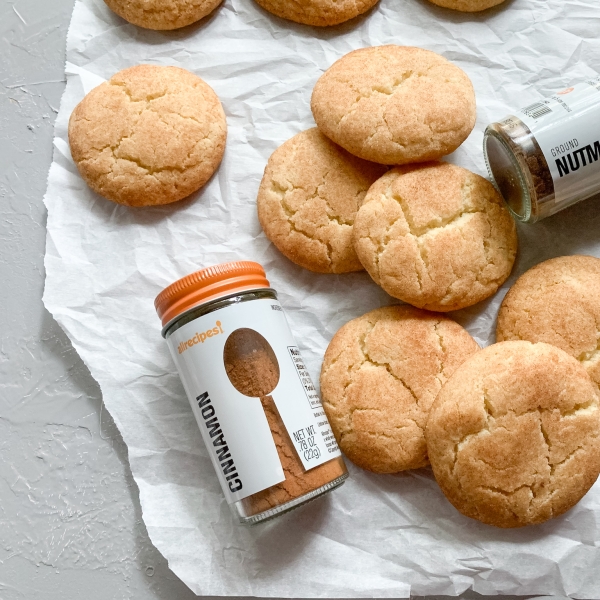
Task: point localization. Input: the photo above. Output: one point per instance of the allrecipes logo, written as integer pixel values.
(200, 338)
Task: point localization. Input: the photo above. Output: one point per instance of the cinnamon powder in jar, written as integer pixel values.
(253, 370)
(262, 422)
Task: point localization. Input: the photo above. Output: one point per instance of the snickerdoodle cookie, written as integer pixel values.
(436, 236)
(308, 199)
(395, 104)
(380, 375)
(162, 14)
(150, 135)
(557, 302)
(514, 435)
(467, 5)
(318, 13)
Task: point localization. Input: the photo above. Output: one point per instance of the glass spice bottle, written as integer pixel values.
(546, 157)
(260, 417)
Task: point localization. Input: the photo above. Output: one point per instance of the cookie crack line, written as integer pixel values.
(491, 421)
(508, 255)
(461, 443)
(385, 241)
(441, 373)
(123, 87)
(152, 98)
(449, 292)
(592, 355)
(349, 380)
(509, 495)
(386, 365)
(479, 278)
(455, 221)
(366, 94)
(548, 443)
(355, 367)
(419, 232)
(282, 191)
(278, 190)
(379, 410)
(367, 359)
(582, 407)
(331, 213)
(503, 492)
(151, 170)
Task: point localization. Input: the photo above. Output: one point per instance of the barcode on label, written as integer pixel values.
(594, 83)
(536, 110)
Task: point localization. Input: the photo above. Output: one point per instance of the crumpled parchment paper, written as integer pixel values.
(377, 536)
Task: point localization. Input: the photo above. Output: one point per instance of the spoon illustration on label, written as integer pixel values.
(253, 370)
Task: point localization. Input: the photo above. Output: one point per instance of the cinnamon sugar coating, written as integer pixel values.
(150, 135)
(308, 199)
(467, 5)
(162, 14)
(514, 435)
(395, 104)
(557, 302)
(318, 13)
(436, 236)
(380, 375)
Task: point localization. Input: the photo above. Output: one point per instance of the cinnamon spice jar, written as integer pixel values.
(260, 417)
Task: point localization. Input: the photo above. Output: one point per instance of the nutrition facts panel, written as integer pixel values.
(307, 384)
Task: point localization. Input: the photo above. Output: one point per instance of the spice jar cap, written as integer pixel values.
(208, 284)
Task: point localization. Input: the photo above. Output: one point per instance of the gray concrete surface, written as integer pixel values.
(70, 520)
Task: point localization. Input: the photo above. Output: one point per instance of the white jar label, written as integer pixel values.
(234, 425)
(567, 129)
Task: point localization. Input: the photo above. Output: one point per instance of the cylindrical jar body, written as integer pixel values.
(260, 417)
(546, 157)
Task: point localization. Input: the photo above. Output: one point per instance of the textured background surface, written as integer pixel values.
(70, 522)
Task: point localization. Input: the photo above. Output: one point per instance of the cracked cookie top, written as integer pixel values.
(514, 435)
(380, 376)
(436, 236)
(557, 302)
(467, 5)
(395, 104)
(308, 199)
(150, 135)
(162, 14)
(318, 13)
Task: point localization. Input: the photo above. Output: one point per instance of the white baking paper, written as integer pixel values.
(377, 536)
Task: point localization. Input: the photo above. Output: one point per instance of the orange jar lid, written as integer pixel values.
(209, 284)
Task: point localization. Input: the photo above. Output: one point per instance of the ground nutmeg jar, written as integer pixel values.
(546, 156)
(260, 417)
